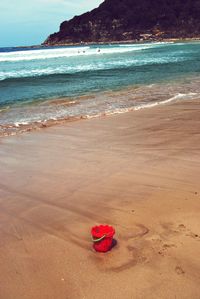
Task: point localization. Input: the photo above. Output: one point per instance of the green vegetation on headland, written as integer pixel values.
(132, 20)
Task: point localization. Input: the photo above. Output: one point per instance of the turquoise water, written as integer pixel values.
(32, 81)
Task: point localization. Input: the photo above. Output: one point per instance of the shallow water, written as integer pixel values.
(39, 87)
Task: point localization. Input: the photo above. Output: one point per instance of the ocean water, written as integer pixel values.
(43, 86)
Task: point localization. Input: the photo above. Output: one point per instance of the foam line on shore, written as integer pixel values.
(24, 126)
(172, 99)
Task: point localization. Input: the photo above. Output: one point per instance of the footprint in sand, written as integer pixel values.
(127, 253)
(179, 270)
(170, 229)
(193, 235)
(188, 232)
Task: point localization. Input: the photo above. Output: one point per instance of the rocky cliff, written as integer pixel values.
(123, 20)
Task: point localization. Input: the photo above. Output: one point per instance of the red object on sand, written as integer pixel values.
(102, 236)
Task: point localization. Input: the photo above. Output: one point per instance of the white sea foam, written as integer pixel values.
(70, 52)
(172, 99)
(147, 44)
(90, 108)
(93, 66)
(179, 96)
(41, 54)
(33, 63)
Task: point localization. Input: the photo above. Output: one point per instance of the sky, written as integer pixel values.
(29, 22)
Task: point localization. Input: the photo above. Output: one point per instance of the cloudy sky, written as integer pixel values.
(29, 22)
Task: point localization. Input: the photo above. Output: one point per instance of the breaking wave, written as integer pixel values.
(71, 51)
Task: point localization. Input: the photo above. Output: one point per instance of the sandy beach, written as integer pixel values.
(137, 171)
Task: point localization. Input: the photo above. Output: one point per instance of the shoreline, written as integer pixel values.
(109, 42)
(137, 171)
(129, 102)
(125, 42)
(35, 96)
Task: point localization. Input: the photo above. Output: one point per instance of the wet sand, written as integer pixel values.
(138, 171)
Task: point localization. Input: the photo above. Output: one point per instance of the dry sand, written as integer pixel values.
(138, 171)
